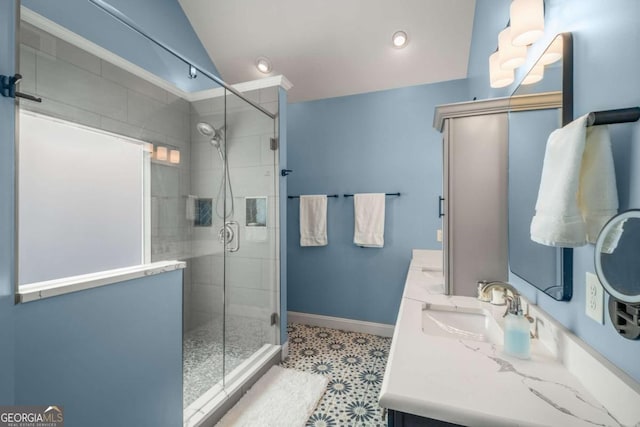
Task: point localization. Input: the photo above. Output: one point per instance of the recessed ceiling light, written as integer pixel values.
(400, 39)
(263, 65)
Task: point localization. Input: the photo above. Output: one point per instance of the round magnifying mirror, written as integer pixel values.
(617, 257)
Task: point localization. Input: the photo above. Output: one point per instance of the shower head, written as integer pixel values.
(206, 129)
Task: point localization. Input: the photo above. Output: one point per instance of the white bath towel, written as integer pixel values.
(578, 192)
(369, 220)
(313, 220)
(598, 196)
(558, 220)
(190, 209)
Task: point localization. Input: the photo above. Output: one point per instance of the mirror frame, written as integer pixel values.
(629, 299)
(565, 254)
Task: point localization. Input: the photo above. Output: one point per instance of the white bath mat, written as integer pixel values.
(281, 398)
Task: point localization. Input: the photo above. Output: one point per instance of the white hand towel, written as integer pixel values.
(578, 192)
(598, 197)
(558, 220)
(313, 220)
(369, 220)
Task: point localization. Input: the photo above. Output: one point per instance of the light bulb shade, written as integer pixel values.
(527, 21)
(553, 52)
(534, 75)
(510, 56)
(498, 76)
(161, 153)
(174, 156)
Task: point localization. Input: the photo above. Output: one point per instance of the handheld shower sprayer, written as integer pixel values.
(225, 198)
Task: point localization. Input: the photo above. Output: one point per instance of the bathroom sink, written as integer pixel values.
(464, 323)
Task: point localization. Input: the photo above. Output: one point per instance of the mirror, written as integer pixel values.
(616, 257)
(617, 254)
(542, 103)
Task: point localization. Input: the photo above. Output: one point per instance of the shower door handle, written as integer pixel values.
(235, 226)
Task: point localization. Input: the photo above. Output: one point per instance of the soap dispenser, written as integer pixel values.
(517, 338)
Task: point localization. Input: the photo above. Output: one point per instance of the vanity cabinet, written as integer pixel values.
(401, 419)
(475, 225)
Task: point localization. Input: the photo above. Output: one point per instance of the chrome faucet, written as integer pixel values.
(485, 287)
(514, 304)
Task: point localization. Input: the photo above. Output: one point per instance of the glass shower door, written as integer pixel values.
(251, 258)
(203, 324)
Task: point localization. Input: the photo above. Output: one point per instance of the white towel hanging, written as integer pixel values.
(369, 210)
(313, 220)
(578, 189)
(598, 197)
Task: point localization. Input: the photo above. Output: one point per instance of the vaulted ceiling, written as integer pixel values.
(333, 48)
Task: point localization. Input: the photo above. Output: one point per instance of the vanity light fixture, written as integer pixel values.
(161, 153)
(400, 39)
(527, 21)
(510, 56)
(263, 65)
(498, 76)
(553, 52)
(534, 75)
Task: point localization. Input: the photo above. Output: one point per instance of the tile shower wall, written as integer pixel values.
(78, 86)
(251, 272)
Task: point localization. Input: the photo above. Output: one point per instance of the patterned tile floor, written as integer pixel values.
(353, 362)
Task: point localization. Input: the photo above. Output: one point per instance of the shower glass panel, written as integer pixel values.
(204, 291)
(251, 257)
(233, 271)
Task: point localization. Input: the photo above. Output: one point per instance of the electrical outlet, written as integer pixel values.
(594, 301)
(439, 235)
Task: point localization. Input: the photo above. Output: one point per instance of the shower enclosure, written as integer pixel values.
(231, 280)
(210, 191)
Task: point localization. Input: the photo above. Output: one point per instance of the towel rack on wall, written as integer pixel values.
(330, 195)
(609, 117)
(386, 194)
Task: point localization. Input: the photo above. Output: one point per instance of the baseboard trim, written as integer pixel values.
(344, 324)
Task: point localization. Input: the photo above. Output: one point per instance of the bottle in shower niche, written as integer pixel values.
(517, 338)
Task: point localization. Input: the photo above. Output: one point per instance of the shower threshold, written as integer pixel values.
(214, 403)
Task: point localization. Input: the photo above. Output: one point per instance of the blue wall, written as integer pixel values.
(375, 142)
(606, 64)
(162, 19)
(7, 312)
(112, 356)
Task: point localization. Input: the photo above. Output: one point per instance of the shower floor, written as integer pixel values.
(203, 351)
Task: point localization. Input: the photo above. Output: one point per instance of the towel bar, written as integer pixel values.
(297, 197)
(386, 194)
(609, 117)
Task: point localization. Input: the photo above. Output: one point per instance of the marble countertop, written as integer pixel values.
(475, 383)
